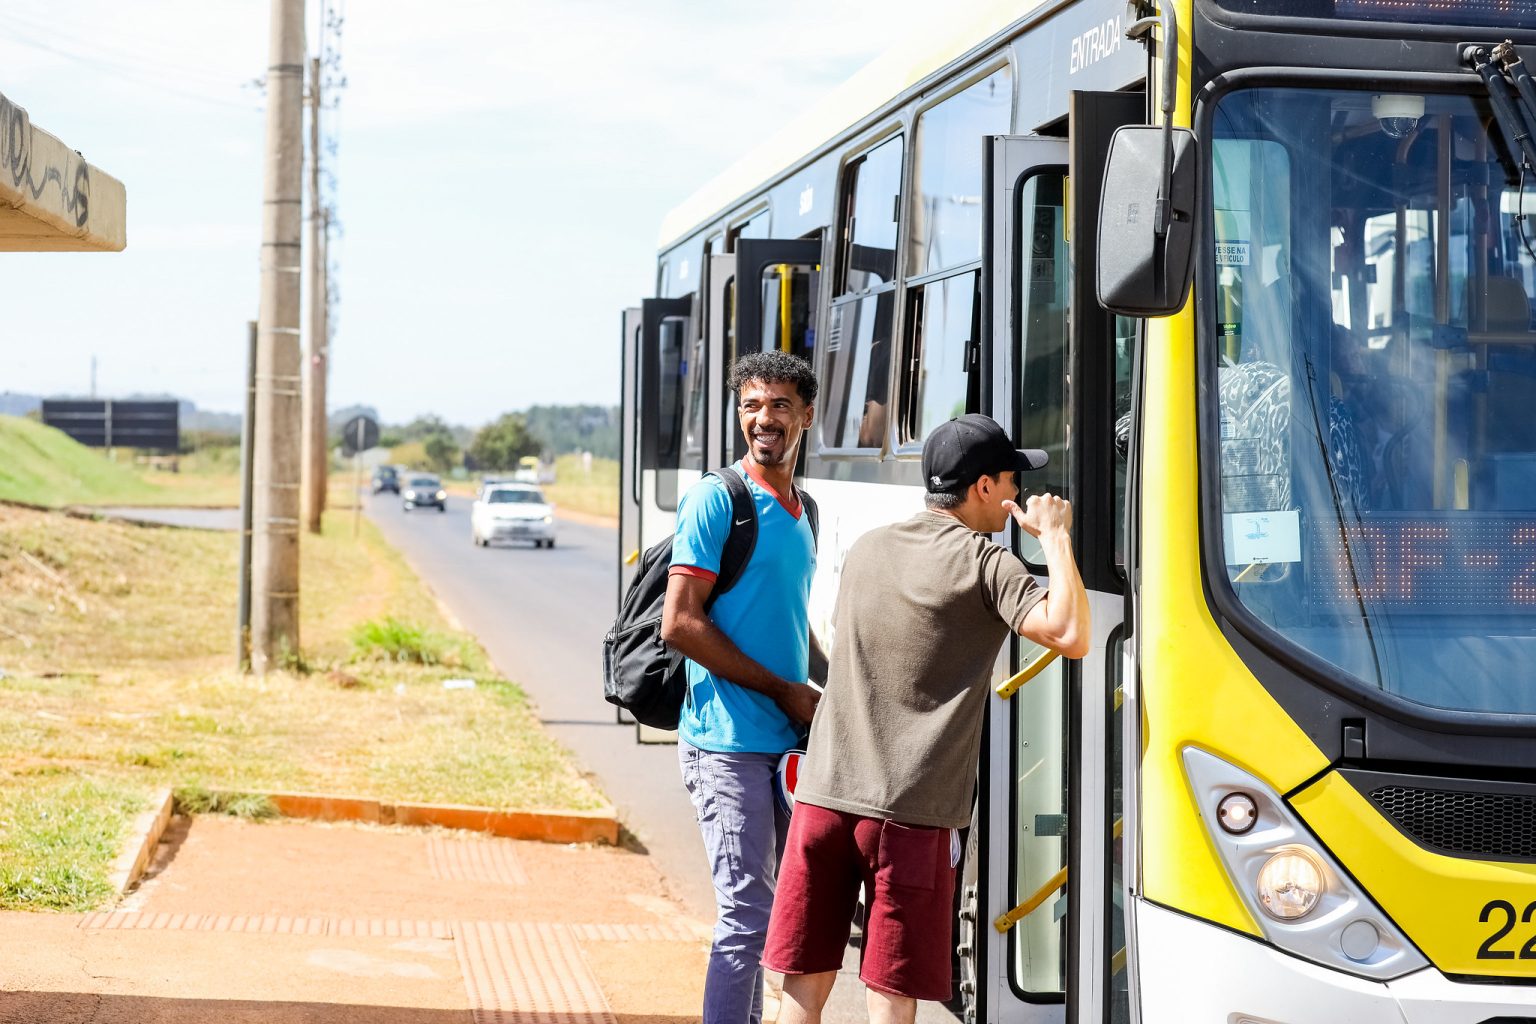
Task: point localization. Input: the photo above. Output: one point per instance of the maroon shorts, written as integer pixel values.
(909, 885)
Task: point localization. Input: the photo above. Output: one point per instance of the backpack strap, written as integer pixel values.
(741, 541)
(813, 514)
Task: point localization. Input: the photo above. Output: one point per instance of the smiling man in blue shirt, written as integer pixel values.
(748, 662)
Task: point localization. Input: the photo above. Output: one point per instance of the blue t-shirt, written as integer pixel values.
(764, 614)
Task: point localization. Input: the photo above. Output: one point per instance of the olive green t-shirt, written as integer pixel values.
(922, 610)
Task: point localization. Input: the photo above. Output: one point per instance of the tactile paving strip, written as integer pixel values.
(513, 973)
(492, 863)
(636, 933)
(340, 927)
(528, 974)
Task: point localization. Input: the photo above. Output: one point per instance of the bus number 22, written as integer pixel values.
(1493, 907)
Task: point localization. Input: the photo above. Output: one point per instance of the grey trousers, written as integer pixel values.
(743, 829)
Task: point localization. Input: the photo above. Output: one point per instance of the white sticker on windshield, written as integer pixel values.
(1231, 254)
(1263, 537)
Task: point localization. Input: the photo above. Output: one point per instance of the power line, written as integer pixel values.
(137, 75)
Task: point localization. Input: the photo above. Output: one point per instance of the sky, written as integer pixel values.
(501, 172)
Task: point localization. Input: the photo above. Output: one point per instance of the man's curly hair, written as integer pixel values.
(772, 368)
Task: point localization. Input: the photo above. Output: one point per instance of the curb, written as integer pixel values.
(139, 848)
(541, 825)
(94, 515)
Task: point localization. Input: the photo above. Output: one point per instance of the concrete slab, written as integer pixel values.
(51, 198)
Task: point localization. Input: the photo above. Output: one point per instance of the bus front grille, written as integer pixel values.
(1469, 824)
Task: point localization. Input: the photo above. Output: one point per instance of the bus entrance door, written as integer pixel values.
(666, 331)
(720, 344)
(664, 334)
(629, 466)
(1050, 945)
(779, 314)
(1013, 913)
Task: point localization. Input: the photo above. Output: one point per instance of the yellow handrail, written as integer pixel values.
(1039, 896)
(632, 557)
(1011, 686)
(1029, 906)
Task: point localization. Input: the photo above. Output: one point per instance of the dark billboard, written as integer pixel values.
(103, 423)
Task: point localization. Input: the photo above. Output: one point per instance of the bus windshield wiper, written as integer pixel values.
(1513, 109)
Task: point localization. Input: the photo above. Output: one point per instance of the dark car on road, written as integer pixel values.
(423, 490)
(386, 478)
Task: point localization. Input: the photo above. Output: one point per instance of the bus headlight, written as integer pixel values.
(1301, 899)
(1290, 884)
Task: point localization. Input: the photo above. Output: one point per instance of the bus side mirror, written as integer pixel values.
(1143, 265)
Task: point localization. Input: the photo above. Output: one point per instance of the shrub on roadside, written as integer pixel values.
(197, 800)
(390, 639)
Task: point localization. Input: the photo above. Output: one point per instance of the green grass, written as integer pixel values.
(389, 639)
(595, 494)
(59, 836)
(43, 466)
(116, 644)
(250, 806)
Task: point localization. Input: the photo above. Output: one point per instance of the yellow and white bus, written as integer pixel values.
(1295, 780)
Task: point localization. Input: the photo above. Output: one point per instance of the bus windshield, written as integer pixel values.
(1375, 377)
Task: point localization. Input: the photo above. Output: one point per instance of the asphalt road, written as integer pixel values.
(541, 614)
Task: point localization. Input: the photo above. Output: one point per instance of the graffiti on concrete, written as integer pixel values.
(73, 180)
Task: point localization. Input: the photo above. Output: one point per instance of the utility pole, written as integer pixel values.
(316, 463)
(247, 440)
(279, 411)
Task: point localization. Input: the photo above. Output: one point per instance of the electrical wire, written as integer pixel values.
(1520, 213)
(86, 46)
(138, 76)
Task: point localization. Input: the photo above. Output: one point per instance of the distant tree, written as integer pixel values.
(577, 428)
(441, 451)
(498, 445)
(423, 427)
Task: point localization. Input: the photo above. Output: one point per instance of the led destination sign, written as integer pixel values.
(1492, 13)
(1461, 564)
(1440, 12)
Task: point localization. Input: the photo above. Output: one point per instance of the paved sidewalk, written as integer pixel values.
(289, 922)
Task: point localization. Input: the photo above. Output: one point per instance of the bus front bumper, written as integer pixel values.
(1193, 972)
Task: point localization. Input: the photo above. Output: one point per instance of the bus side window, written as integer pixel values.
(942, 365)
(859, 339)
(1041, 401)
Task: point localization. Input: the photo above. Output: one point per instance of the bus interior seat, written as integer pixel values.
(1509, 308)
(1509, 461)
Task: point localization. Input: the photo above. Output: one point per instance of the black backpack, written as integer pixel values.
(641, 674)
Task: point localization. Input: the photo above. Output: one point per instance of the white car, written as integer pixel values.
(512, 512)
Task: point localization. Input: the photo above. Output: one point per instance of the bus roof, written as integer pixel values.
(930, 47)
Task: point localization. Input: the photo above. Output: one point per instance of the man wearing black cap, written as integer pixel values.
(923, 609)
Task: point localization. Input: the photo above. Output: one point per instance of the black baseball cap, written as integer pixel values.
(961, 451)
